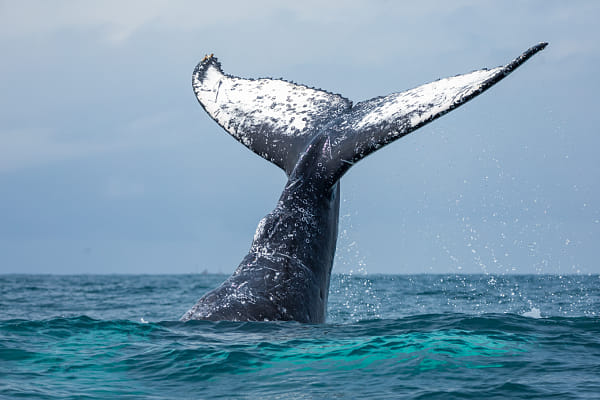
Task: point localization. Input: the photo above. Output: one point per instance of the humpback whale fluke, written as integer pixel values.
(315, 136)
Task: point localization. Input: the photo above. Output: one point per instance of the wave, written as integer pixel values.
(280, 358)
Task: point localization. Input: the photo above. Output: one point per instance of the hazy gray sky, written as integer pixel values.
(108, 164)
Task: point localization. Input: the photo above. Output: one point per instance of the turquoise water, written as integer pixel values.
(423, 336)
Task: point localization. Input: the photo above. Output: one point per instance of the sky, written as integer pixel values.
(109, 165)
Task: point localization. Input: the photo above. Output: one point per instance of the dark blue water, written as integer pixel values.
(423, 336)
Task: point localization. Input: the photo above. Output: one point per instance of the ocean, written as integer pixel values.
(387, 336)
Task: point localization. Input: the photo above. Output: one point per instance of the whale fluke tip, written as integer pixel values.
(207, 57)
(538, 47)
(508, 68)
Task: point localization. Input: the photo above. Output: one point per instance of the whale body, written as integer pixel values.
(315, 137)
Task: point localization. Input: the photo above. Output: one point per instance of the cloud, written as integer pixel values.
(119, 20)
(31, 147)
(118, 187)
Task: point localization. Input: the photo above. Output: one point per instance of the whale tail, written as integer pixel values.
(278, 119)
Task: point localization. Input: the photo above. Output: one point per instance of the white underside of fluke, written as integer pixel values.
(285, 108)
(426, 101)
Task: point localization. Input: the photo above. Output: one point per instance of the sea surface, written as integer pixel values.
(387, 336)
